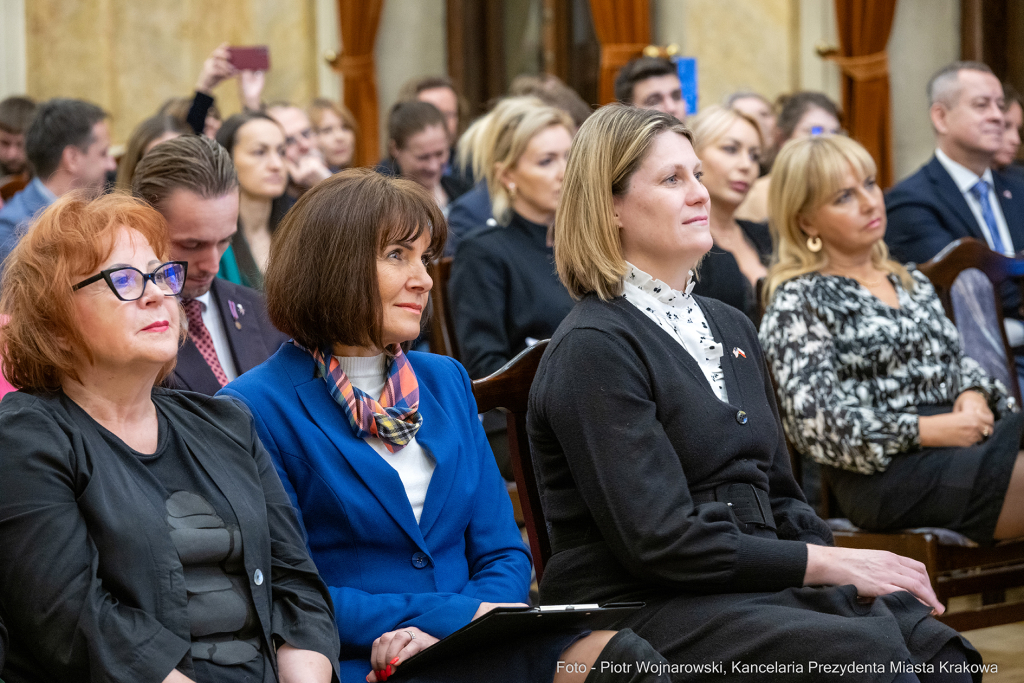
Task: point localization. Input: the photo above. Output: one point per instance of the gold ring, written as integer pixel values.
(985, 432)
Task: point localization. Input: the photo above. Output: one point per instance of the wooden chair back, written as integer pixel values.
(442, 325)
(14, 186)
(976, 307)
(508, 390)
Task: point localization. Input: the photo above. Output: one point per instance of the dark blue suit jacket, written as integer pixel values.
(255, 342)
(468, 214)
(927, 211)
(384, 571)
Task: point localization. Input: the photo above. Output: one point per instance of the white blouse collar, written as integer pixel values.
(658, 289)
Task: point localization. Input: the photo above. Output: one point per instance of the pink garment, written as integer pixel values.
(5, 386)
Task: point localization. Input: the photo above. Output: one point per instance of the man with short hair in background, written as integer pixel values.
(15, 116)
(957, 194)
(191, 181)
(651, 83)
(68, 145)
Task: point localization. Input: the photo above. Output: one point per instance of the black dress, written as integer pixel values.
(656, 490)
(720, 277)
(854, 374)
(504, 292)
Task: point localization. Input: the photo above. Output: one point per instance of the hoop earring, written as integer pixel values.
(814, 244)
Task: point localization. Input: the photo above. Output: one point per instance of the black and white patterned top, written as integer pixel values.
(678, 314)
(851, 370)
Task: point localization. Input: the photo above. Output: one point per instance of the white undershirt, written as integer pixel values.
(965, 179)
(679, 315)
(215, 326)
(414, 465)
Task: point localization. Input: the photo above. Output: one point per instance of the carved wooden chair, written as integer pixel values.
(508, 390)
(969, 277)
(442, 325)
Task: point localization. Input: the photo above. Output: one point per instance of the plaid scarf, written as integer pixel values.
(395, 418)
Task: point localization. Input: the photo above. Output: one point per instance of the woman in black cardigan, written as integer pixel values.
(146, 536)
(664, 470)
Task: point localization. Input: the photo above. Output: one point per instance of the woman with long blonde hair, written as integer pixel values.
(504, 288)
(871, 378)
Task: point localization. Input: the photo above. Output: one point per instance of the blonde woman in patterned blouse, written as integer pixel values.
(871, 378)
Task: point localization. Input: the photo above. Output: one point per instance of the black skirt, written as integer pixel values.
(954, 488)
(795, 635)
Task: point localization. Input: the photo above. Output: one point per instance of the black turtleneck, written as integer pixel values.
(504, 290)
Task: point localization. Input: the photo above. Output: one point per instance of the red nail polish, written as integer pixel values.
(393, 661)
(389, 670)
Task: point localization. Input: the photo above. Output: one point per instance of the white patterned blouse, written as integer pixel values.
(679, 315)
(851, 370)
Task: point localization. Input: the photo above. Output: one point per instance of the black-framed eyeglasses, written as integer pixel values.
(129, 284)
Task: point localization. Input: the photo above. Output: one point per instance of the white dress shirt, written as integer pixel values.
(679, 315)
(215, 326)
(414, 465)
(965, 179)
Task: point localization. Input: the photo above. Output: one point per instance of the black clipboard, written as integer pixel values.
(504, 624)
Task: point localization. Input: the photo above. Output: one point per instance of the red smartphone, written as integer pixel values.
(251, 58)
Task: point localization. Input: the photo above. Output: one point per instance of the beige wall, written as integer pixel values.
(769, 46)
(411, 41)
(739, 44)
(130, 56)
(925, 37)
(12, 48)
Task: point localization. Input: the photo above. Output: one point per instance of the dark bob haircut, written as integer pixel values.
(321, 280)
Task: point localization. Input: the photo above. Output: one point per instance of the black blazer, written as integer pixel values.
(250, 346)
(91, 586)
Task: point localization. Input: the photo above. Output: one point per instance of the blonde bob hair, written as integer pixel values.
(609, 148)
(497, 141)
(712, 123)
(807, 174)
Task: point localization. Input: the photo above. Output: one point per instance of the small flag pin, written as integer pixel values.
(1007, 194)
(737, 352)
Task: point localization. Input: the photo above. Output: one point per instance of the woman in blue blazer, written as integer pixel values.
(407, 517)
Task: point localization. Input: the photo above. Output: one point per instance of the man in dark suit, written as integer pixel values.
(944, 201)
(957, 194)
(191, 182)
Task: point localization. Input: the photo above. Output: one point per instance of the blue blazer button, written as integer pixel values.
(420, 560)
(257, 577)
(741, 417)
